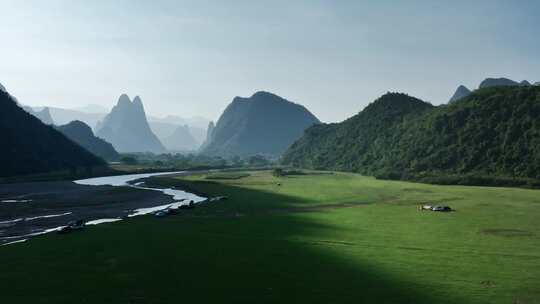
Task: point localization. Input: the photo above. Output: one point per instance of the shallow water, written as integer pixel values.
(46, 216)
(101, 221)
(11, 231)
(14, 201)
(182, 197)
(120, 180)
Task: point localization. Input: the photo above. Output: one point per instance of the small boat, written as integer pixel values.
(77, 225)
(190, 205)
(72, 226)
(160, 213)
(171, 211)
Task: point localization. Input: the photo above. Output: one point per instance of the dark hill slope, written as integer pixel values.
(82, 134)
(44, 115)
(493, 132)
(261, 124)
(29, 146)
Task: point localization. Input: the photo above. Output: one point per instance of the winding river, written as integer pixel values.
(20, 229)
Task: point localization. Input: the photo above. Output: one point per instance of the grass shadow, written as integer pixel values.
(235, 251)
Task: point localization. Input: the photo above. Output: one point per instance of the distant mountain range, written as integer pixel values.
(163, 128)
(193, 122)
(127, 129)
(402, 137)
(92, 108)
(261, 124)
(208, 138)
(180, 140)
(63, 116)
(30, 146)
(493, 82)
(82, 134)
(44, 115)
(463, 91)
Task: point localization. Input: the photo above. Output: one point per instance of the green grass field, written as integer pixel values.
(227, 175)
(316, 238)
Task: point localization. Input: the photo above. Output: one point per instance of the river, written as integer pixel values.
(19, 228)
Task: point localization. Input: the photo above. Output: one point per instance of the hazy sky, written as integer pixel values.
(191, 58)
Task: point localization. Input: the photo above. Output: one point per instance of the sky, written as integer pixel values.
(191, 58)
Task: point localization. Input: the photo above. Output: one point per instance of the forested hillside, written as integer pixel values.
(493, 132)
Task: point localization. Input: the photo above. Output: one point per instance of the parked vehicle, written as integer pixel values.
(435, 208)
(441, 208)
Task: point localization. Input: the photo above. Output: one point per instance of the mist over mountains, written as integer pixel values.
(127, 129)
(180, 140)
(30, 146)
(62, 116)
(163, 128)
(261, 124)
(44, 114)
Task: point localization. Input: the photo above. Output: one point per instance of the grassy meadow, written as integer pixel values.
(314, 238)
